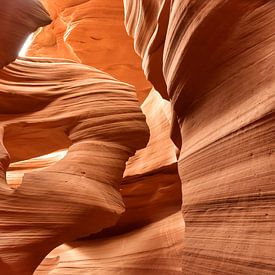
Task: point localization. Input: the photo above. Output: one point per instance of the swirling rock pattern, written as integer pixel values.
(151, 187)
(217, 65)
(18, 18)
(157, 251)
(214, 61)
(159, 119)
(64, 104)
(151, 192)
(91, 32)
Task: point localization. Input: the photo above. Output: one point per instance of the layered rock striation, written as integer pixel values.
(149, 236)
(78, 198)
(64, 104)
(154, 248)
(18, 18)
(215, 62)
(91, 32)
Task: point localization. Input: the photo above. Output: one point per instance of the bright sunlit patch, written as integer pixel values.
(17, 169)
(25, 46)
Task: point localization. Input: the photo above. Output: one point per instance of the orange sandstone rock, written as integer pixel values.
(18, 18)
(91, 32)
(152, 249)
(65, 105)
(217, 64)
(151, 192)
(213, 60)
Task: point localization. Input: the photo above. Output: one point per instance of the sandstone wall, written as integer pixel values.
(217, 65)
(66, 104)
(74, 191)
(91, 32)
(18, 18)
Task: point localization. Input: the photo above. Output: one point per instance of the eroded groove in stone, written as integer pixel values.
(158, 250)
(18, 18)
(218, 67)
(100, 119)
(213, 60)
(91, 32)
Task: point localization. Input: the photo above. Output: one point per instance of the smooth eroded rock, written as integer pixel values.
(18, 18)
(65, 105)
(217, 64)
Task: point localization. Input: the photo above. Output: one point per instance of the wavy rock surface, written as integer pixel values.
(151, 187)
(91, 32)
(64, 104)
(151, 224)
(214, 61)
(18, 18)
(217, 64)
(153, 249)
(16, 170)
(159, 119)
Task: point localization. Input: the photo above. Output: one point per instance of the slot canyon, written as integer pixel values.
(137, 137)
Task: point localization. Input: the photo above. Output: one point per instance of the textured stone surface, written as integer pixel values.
(62, 106)
(18, 18)
(152, 197)
(92, 32)
(153, 249)
(214, 61)
(160, 150)
(151, 187)
(218, 67)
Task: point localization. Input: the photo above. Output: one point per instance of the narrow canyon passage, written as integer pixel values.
(137, 137)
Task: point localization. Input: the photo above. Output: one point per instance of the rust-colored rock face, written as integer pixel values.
(50, 206)
(84, 188)
(92, 32)
(154, 248)
(18, 18)
(217, 62)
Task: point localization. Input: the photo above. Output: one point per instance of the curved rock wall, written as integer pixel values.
(52, 93)
(218, 67)
(65, 105)
(86, 208)
(18, 18)
(148, 237)
(152, 249)
(91, 32)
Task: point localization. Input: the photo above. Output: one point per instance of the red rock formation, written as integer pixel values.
(213, 60)
(151, 204)
(218, 67)
(18, 18)
(151, 191)
(91, 32)
(153, 249)
(147, 22)
(151, 187)
(16, 170)
(151, 158)
(64, 104)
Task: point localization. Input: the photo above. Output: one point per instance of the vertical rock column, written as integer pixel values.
(218, 61)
